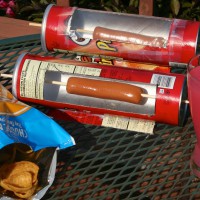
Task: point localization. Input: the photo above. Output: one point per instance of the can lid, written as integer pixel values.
(15, 74)
(198, 43)
(44, 24)
(183, 107)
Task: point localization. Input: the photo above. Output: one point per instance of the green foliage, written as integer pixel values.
(31, 10)
(175, 7)
(121, 6)
(190, 10)
(124, 6)
(182, 9)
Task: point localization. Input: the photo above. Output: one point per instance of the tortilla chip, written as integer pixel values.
(20, 178)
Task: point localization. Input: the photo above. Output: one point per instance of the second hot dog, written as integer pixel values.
(123, 36)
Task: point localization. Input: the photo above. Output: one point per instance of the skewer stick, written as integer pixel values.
(84, 31)
(148, 96)
(35, 24)
(64, 84)
(186, 101)
(6, 75)
(143, 95)
(116, 35)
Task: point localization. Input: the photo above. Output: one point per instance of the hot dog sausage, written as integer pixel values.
(123, 36)
(104, 89)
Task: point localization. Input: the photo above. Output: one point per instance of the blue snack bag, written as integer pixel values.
(4, 139)
(20, 123)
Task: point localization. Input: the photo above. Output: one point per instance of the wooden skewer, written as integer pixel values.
(116, 35)
(84, 31)
(64, 84)
(186, 101)
(143, 95)
(6, 75)
(35, 24)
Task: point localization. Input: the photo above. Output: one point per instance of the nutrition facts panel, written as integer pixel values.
(33, 75)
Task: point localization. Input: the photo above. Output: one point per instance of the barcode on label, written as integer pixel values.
(163, 81)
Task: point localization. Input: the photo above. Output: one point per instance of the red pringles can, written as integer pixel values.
(171, 42)
(44, 80)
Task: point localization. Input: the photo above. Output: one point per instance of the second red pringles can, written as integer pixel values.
(147, 39)
(100, 89)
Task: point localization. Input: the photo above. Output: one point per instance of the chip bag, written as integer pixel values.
(27, 171)
(24, 124)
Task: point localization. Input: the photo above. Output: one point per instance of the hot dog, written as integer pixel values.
(101, 33)
(104, 89)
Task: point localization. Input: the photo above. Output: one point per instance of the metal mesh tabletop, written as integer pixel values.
(109, 163)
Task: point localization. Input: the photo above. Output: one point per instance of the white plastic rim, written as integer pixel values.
(44, 24)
